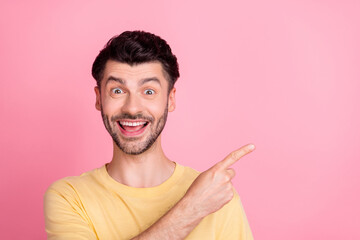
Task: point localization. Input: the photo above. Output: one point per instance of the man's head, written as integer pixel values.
(135, 47)
(135, 75)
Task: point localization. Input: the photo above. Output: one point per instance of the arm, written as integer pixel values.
(177, 223)
(210, 191)
(66, 218)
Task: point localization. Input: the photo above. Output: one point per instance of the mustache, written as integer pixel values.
(132, 117)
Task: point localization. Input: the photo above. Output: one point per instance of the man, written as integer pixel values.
(141, 194)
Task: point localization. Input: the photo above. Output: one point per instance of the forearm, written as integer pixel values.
(176, 224)
(209, 192)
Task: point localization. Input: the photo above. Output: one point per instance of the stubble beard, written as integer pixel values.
(133, 146)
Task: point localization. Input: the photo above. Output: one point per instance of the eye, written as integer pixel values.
(149, 92)
(116, 91)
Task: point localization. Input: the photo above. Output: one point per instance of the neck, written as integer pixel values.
(148, 169)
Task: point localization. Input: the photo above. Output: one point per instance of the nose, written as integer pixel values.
(132, 105)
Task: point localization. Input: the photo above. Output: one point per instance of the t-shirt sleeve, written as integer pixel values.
(233, 221)
(65, 217)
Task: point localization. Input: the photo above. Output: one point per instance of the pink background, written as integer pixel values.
(281, 74)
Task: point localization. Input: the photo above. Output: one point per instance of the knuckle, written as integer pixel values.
(229, 188)
(227, 178)
(211, 174)
(215, 168)
(213, 171)
(234, 155)
(231, 195)
(231, 172)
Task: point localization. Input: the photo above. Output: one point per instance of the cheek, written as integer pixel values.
(157, 108)
(109, 106)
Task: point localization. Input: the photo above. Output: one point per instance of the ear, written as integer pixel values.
(172, 101)
(98, 98)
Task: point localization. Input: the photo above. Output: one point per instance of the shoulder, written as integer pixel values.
(70, 186)
(63, 204)
(190, 172)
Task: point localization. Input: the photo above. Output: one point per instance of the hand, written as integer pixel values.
(212, 189)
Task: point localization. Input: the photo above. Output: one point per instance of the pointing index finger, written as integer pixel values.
(236, 155)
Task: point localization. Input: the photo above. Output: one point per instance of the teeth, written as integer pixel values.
(132, 123)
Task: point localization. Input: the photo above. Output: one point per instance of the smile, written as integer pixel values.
(132, 128)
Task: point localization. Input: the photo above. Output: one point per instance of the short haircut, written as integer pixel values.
(136, 47)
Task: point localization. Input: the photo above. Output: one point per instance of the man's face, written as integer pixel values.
(134, 103)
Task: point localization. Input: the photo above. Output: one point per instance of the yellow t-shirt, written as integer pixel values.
(95, 206)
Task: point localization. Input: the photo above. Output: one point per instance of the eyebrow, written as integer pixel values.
(146, 80)
(111, 78)
(142, 81)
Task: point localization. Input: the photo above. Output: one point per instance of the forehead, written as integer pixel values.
(134, 72)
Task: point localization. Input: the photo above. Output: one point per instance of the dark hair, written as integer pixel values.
(135, 47)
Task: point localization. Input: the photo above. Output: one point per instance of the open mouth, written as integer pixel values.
(132, 128)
